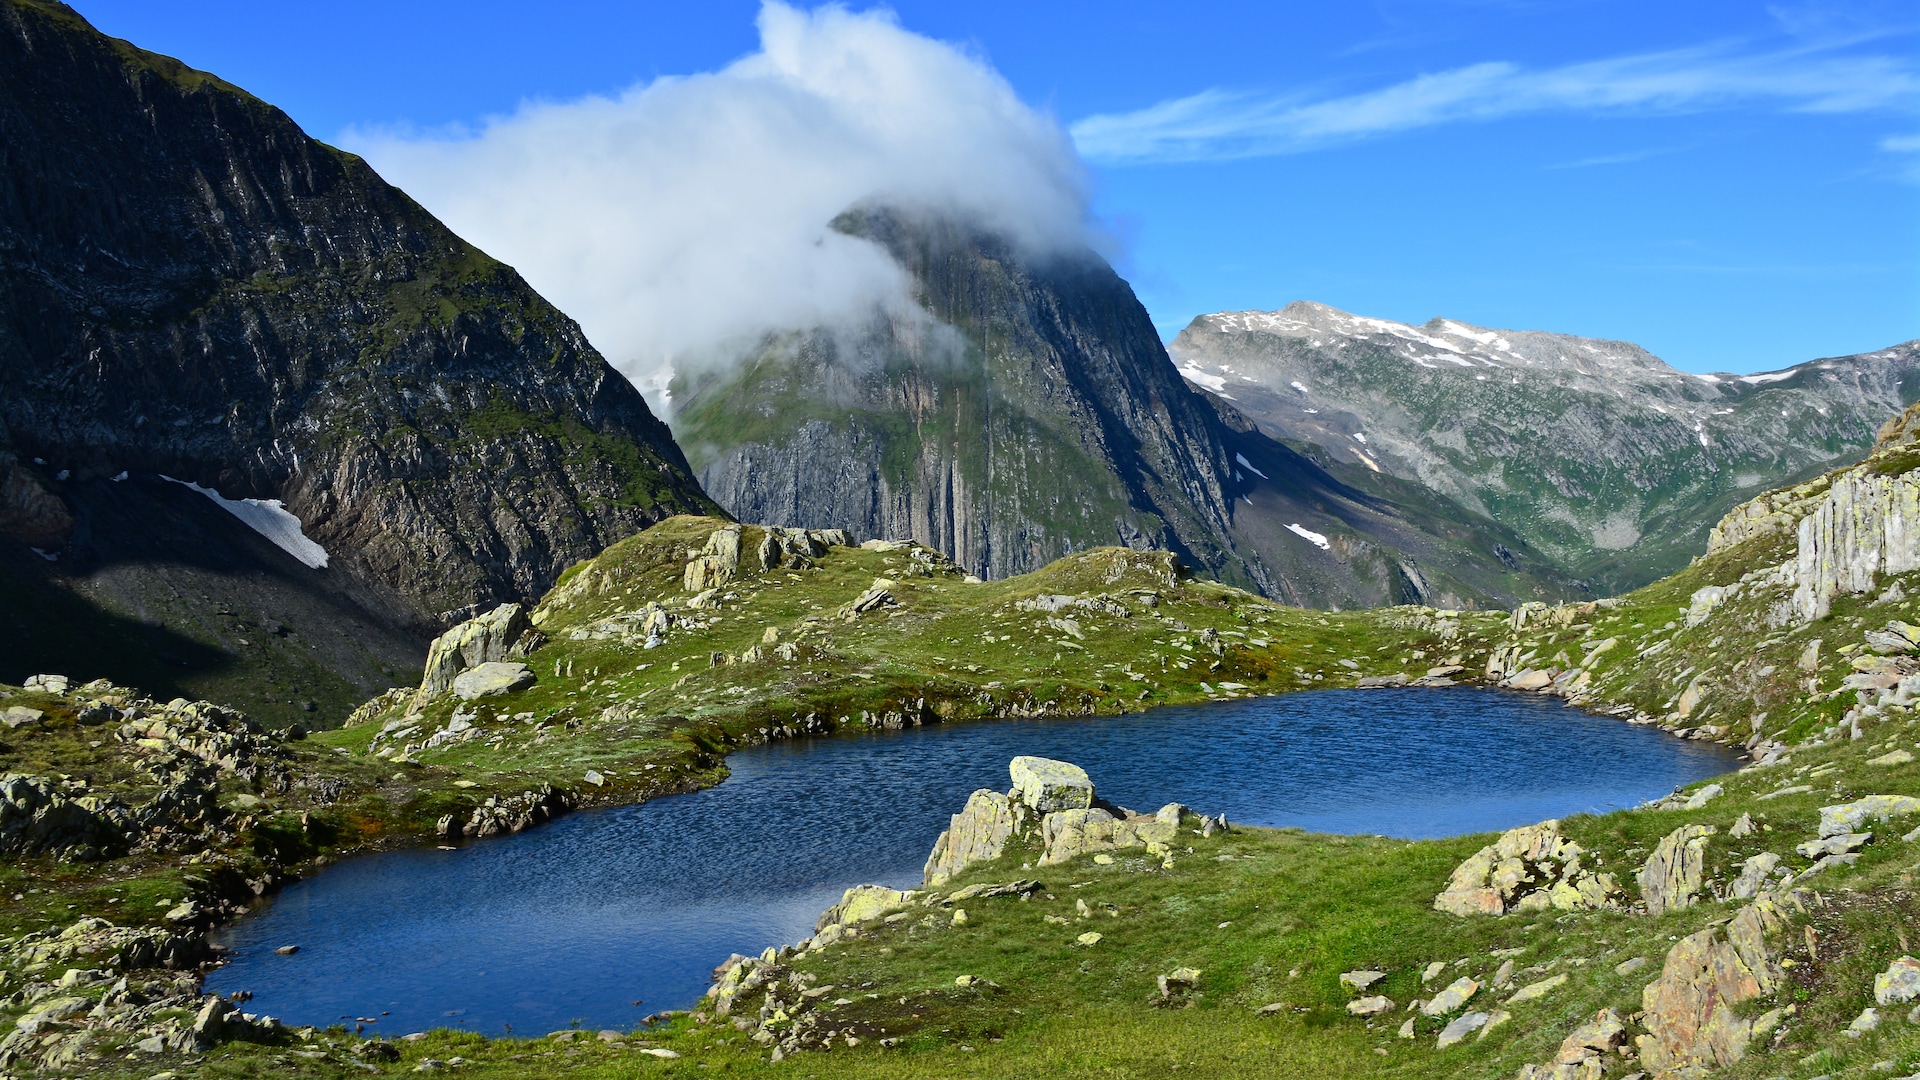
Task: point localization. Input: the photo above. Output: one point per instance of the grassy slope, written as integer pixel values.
(1296, 903)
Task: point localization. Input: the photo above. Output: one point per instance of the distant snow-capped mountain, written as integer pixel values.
(1587, 448)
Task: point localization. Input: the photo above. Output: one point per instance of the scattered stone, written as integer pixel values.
(1534, 991)
(1704, 796)
(1899, 984)
(1629, 966)
(1838, 844)
(1582, 1055)
(1753, 875)
(1360, 980)
(660, 1052)
(1494, 1020)
(1848, 817)
(1742, 827)
(1461, 1027)
(1370, 1006)
(1457, 993)
(1868, 1020)
(1897, 757)
(1406, 1029)
(1671, 878)
(19, 716)
(1090, 938)
(1432, 971)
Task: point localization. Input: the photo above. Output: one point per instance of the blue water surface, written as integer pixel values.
(605, 916)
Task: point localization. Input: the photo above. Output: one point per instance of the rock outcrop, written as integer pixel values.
(1671, 877)
(1531, 868)
(496, 636)
(1051, 811)
(1691, 1012)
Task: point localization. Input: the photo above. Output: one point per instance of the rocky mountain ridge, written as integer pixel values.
(192, 288)
(1605, 458)
(1027, 410)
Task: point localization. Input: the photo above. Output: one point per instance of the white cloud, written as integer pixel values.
(1217, 124)
(690, 214)
(1901, 144)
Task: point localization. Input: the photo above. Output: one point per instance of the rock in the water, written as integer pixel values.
(1899, 984)
(1690, 1010)
(1671, 878)
(1457, 993)
(492, 678)
(1530, 868)
(1046, 785)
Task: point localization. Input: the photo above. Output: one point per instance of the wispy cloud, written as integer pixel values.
(1901, 144)
(1625, 158)
(1218, 124)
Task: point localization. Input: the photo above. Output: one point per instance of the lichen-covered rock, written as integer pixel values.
(505, 814)
(1867, 525)
(863, 902)
(497, 635)
(1690, 1010)
(1672, 875)
(715, 565)
(1899, 984)
(1848, 817)
(1753, 876)
(1584, 1054)
(492, 678)
(1530, 868)
(1046, 785)
(976, 834)
(97, 942)
(1457, 993)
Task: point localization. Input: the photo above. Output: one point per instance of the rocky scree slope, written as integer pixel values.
(191, 286)
(1599, 454)
(1027, 410)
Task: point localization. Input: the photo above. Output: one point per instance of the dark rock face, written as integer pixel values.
(1029, 411)
(191, 286)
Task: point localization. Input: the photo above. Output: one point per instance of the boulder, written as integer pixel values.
(1672, 876)
(19, 716)
(1459, 1028)
(1457, 993)
(716, 564)
(1530, 868)
(1899, 984)
(1690, 1011)
(1046, 785)
(1360, 980)
(1370, 1006)
(1753, 875)
(1848, 817)
(497, 635)
(976, 834)
(492, 678)
(863, 902)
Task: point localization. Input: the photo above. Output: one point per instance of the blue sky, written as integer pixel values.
(1735, 186)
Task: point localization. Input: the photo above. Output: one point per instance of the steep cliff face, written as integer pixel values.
(1852, 528)
(1027, 410)
(1602, 456)
(191, 286)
